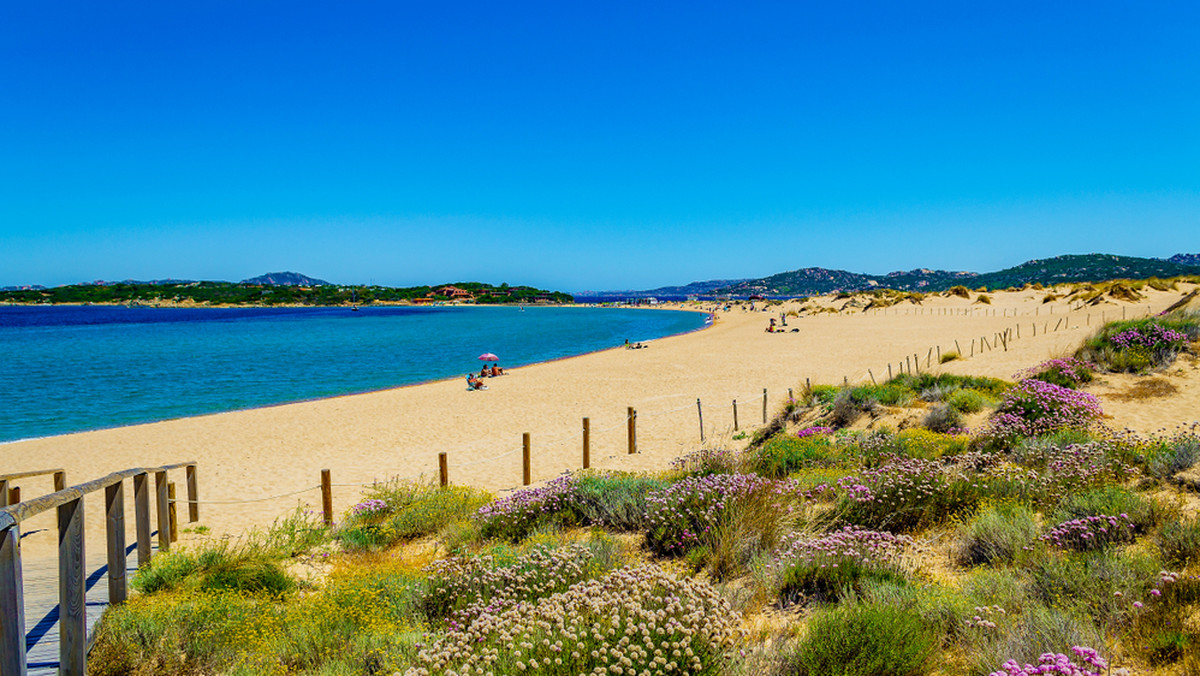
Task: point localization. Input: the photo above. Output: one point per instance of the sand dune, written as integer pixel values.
(270, 451)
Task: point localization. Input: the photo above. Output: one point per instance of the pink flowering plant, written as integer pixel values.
(1091, 533)
(907, 494)
(461, 589)
(1083, 661)
(825, 566)
(1143, 344)
(1064, 372)
(691, 512)
(515, 516)
(631, 621)
(1035, 407)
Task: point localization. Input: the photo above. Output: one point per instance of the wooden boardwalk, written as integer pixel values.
(41, 609)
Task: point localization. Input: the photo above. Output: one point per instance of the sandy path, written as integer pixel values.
(399, 432)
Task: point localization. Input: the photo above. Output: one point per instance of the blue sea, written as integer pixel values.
(68, 369)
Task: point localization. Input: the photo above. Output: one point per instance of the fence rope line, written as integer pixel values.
(241, 502)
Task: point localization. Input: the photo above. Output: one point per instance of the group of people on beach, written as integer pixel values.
(476, 382)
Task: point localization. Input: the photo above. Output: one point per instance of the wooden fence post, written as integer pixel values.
(764, 406)
(60, 481)
(141, 515)
(327, 497)
(163, 508)
(114, 521)
(443, 470)
(72, 618)
(193, 493)
(587, 441)
(700, 416)
(735, 425)
(12, 603)
(3, 493)
(172, 518)
(526, 474)
(14, 495)
(632, 422)
(872, 377)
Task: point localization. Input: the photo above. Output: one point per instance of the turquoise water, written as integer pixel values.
(68, 369)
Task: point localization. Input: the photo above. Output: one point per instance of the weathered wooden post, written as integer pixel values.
(327, 497)
(526, 474)
(872, 377)
(163, 508)
(3, 493)
(12, 601)
(443, 470)
(141, 515)
(587, 441)
(114, 521)
(958, 347)
(14, 495)
(60, 481)
(173, 519)
(735, 422)
(700, 417)
(72, 619)
(193, 493)
(632, 422)
(764, 406)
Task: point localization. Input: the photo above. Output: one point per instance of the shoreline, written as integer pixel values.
(706, 325)
(399, 432)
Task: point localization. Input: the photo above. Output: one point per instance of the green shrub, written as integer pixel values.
(1023, 637)
(614, 500)
(866, 640)
(219, 566)
(943, 418)
(968, 401)
(1179, 542)
(1089, 583)
(1143, 512)
(783, 454)
(1138, 345)
(408, 511)
(996, 534)
(950, 356)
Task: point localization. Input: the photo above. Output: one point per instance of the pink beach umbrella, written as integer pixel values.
(488, 356)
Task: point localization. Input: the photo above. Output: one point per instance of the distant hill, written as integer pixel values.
(285, 279)
(817, 281)
(692, 289)
(1068, 268)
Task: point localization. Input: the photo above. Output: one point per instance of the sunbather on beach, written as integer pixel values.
(496, 371)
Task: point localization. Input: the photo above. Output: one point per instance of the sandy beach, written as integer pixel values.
(256, 454)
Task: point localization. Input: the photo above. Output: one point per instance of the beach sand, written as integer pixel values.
(255, 454)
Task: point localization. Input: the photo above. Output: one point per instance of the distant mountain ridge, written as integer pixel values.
(285, 279)
(816, 281)
(691, 289)
(1056, 270)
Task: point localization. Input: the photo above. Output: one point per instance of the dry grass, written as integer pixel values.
(1147, 388)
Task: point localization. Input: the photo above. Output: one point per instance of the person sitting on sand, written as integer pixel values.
(473, 383)
(483, 372)
(496, 371)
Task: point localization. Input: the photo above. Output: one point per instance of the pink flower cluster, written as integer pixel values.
(1057, 663)
(814, 431)
(850, 545)
(1151, 336)
(682, 513)
(1034, 407)
(524, 508)
(368, 507)
(1093, 532)
(1075, 370)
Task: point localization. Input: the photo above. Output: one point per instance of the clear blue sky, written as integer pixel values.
(589, 145)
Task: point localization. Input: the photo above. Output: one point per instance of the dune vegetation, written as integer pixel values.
(931, 524)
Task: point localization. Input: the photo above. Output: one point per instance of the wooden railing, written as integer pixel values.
(72, 572)
(11, 495)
